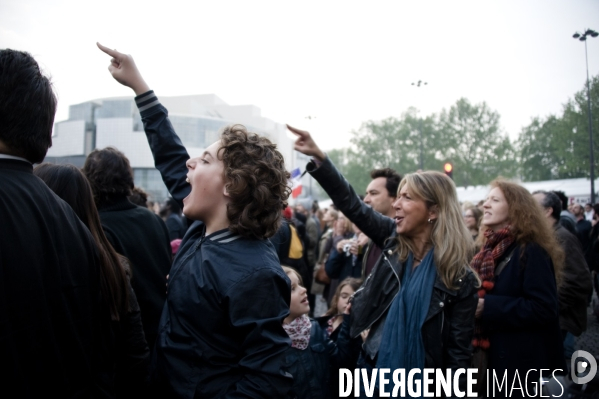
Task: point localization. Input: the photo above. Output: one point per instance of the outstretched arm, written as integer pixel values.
(376, 226)
(169, 153)
(306, 144)
(123, 70)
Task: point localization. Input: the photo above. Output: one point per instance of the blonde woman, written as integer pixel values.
(420, 299)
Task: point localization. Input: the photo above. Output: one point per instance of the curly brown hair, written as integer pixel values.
(256, 180)
(528, 224)
(110, 175)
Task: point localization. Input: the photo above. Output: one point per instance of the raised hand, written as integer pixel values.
(306, 145)
(123, 70)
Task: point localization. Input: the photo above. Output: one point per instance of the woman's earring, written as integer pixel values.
(187, 180)
(430, 221)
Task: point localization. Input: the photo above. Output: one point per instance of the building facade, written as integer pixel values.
(116, 122)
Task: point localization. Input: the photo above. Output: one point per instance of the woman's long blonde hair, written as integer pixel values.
(451, 239)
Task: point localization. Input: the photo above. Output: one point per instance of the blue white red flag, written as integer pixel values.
(296, 182)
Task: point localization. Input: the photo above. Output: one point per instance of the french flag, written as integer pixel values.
(296, 183)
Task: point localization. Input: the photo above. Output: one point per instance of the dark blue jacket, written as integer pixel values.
(315, 369)
(221, 331)
(310, 367)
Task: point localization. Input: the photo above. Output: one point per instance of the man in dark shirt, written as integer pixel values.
(381, 193)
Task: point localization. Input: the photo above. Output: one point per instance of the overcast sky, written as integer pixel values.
(343, 62)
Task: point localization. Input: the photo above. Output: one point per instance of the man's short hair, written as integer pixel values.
(27, 106)
(110, 175)
(393, 179)
(551, 200)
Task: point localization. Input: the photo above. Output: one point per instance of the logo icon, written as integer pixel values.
(579, 366)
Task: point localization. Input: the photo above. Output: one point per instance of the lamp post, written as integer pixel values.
(583, 38)
(417, 84)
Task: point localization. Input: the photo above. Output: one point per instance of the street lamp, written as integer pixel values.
(583, 38)
(417, 84)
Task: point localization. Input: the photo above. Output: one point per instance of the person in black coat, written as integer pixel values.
(134, 232)
(50, 302)
(126, 354)
(517, 314)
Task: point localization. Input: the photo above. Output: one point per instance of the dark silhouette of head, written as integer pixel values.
(27, 107)
(109, 174)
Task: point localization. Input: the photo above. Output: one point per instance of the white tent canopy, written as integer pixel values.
(577, 190)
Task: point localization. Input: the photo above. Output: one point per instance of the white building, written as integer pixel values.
(116, 122)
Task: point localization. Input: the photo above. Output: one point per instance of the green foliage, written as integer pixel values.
(471, 139)
(467, 135)
(557, 147)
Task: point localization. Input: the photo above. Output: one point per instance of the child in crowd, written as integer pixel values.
(313, 359)
(333, 318)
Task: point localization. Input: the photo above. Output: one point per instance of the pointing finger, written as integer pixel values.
(110, 52)
(299, 132)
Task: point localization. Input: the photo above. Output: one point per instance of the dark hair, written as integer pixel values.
(562, 197)
(393, 179)
(256, 180)
(139, 197)
(71, 185)
(27, 106)
(109, 174)
(551, 200)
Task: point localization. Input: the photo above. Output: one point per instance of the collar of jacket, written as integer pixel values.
(120, 204)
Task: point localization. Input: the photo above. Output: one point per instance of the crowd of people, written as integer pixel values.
(226, 291)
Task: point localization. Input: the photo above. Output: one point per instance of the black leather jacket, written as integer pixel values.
(449, 325)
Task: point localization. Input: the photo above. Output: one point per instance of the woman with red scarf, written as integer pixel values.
(517, 326)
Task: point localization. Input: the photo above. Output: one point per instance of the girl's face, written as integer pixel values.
(299, 298)
(346, 292)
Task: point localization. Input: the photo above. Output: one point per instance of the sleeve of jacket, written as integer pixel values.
(460, 317)
(134, 355)
(345, 353)
(537, 306)
(257, 315)
(170, 156)
(576, 284)
(334, 264)
(376, 226)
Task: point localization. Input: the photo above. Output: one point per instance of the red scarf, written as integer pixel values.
(484, 264)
